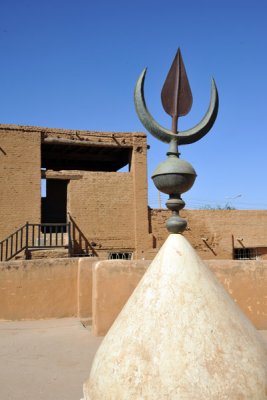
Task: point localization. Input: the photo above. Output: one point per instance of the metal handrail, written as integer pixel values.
(81, 247)
(12, 234)
(34, 236)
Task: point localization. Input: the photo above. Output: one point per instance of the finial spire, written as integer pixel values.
(175, 176)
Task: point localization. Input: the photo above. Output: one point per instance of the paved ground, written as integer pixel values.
(46, 360)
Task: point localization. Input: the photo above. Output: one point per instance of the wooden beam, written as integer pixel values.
(60, 175)
(58, 141)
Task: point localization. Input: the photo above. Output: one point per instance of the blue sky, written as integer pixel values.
(74, 64)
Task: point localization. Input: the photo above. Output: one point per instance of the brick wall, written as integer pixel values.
(143, 240)
(20, 179)
(110, 208)
(221, 229)
(101, 204)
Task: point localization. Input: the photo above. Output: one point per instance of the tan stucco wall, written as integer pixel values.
(113, 283)
(86, 287)
(246, 282)
(20, 179)
(47, 288)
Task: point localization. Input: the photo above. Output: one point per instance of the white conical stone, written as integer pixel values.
(179, 337)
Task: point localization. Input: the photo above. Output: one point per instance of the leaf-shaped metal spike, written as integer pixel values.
(165, 135)
(176, 95)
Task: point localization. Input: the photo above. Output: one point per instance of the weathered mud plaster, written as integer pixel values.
(179, 336)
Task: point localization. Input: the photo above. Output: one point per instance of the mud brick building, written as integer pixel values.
(83, 183)
(107, 209)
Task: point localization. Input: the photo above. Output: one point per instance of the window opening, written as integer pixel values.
(120, 255)
(245, 253)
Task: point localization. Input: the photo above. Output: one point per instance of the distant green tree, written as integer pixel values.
(227, 206)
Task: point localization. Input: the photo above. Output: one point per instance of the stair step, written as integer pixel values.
(48, 253)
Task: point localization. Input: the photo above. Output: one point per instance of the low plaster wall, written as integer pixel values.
(84, 287)
(114, 281)
(246, 282)
(87, 287)
(46, 288)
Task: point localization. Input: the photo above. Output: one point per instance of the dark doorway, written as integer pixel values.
(54, 205)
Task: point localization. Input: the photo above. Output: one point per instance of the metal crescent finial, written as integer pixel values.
(165, 135)
(175, 176)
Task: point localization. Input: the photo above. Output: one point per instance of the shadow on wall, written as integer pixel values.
(80, 245)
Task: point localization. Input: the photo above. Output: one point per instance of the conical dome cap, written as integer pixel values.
(179, 337)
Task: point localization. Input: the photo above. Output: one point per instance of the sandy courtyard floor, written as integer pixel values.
(46, 360)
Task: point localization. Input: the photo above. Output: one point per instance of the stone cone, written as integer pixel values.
(179, 337)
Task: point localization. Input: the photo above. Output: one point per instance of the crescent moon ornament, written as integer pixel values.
(175, 176)
(165, 135)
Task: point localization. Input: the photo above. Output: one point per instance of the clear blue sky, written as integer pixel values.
(74, 64)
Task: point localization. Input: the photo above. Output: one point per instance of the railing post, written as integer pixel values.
(27, 241)
(6, 249)
(69, 238)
